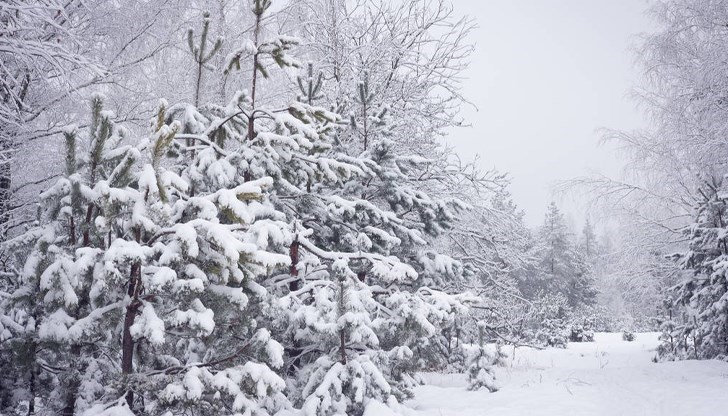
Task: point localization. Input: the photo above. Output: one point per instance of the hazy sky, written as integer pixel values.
(546, 74)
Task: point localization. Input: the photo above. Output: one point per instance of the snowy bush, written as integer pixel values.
(552, 333)
(481, 360)
(547, 320)
(628, 335)
(578, 333)
(343, 388)
(456, 360)
(597, 318)
(480, 370)
(672, 346)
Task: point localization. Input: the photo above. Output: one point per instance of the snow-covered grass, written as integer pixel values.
(608, 377)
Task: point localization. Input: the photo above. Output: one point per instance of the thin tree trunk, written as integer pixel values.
(127, 343)
(74, 382)
(366, 132)
(5, 185)
(251, 119)
(295, 349)
(70, 406)
(31, 387)
(342, 335)
(294, 285)
(342, 346)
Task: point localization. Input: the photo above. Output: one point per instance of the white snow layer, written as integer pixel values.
(609, 377)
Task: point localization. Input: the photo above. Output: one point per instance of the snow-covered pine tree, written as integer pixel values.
(700, 329)
(363, 307)
(672, 344)
(55, 301)
(402, 184)
(481, 361)
(230, 237)
(563, 268)
(548, 316)
(144, 291)
(588, 243)
(353, 306)
(370, 82)
(290, 144)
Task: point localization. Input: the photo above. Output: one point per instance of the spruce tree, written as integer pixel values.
(589, 244)
(562, 266)
(699, 327)
(481, 361)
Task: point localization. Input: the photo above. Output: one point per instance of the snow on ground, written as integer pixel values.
(609, 377)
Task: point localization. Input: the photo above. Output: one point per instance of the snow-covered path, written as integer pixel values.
(609, 377)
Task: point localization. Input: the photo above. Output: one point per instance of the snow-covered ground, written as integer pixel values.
(609, 377)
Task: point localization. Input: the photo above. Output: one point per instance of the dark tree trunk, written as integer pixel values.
(5, 185)
(295, 283)
(342, 346)
(127, 342)
(31, 382)
(294, 351)
(70, 408)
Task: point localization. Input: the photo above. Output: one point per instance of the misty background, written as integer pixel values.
(544, 78)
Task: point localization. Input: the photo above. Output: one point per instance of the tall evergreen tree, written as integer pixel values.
(698, 325)
(139, 290)
(589, 244)
(354, 301)
(562, 267)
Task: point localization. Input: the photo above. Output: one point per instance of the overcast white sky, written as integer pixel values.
(546, 74)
